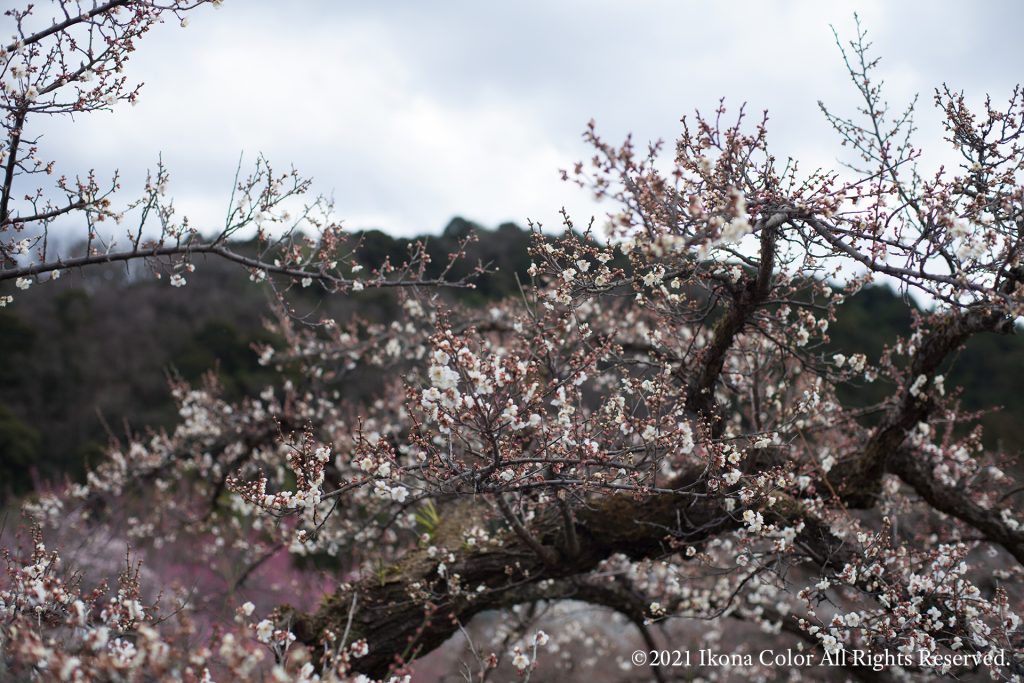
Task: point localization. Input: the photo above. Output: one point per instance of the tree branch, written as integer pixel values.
(217, 249)
(913, 469)
(858, 481)
(390, 621)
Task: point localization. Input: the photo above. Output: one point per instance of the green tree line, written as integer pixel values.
(87, 358)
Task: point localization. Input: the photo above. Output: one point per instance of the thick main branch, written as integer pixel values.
(414, 612)
(859, 480)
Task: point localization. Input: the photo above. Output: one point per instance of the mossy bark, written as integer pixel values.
(405, 616)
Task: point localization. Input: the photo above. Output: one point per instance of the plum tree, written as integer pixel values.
(71, 62)
(652, 429)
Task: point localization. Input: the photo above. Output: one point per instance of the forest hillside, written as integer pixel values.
(87, 359)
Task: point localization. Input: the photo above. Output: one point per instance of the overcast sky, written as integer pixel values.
(412, 112)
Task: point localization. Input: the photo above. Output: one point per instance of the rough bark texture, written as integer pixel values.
(409, 609)
(858, 481)
(912, 469)
(395, 625)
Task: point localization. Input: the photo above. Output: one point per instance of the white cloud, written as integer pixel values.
(412, 112)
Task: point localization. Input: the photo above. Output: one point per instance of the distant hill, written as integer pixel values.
(88, 356)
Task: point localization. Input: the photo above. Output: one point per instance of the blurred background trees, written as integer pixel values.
(83, 363)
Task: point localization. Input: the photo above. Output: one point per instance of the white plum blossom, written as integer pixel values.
(916, 389)
(857, 362)
(654, 276)
(827, 463)
(753, 520)
(831, 644)
(264, 631)
(802, 336)
(399, 494)
(443, 377)
(735, 230)
(520, 661)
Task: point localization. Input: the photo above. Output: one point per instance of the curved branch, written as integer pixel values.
(858, 482)
(700, 394)
(914, 470)
(395, 617)
(217, 249)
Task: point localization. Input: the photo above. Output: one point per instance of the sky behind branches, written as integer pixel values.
(409, 113)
